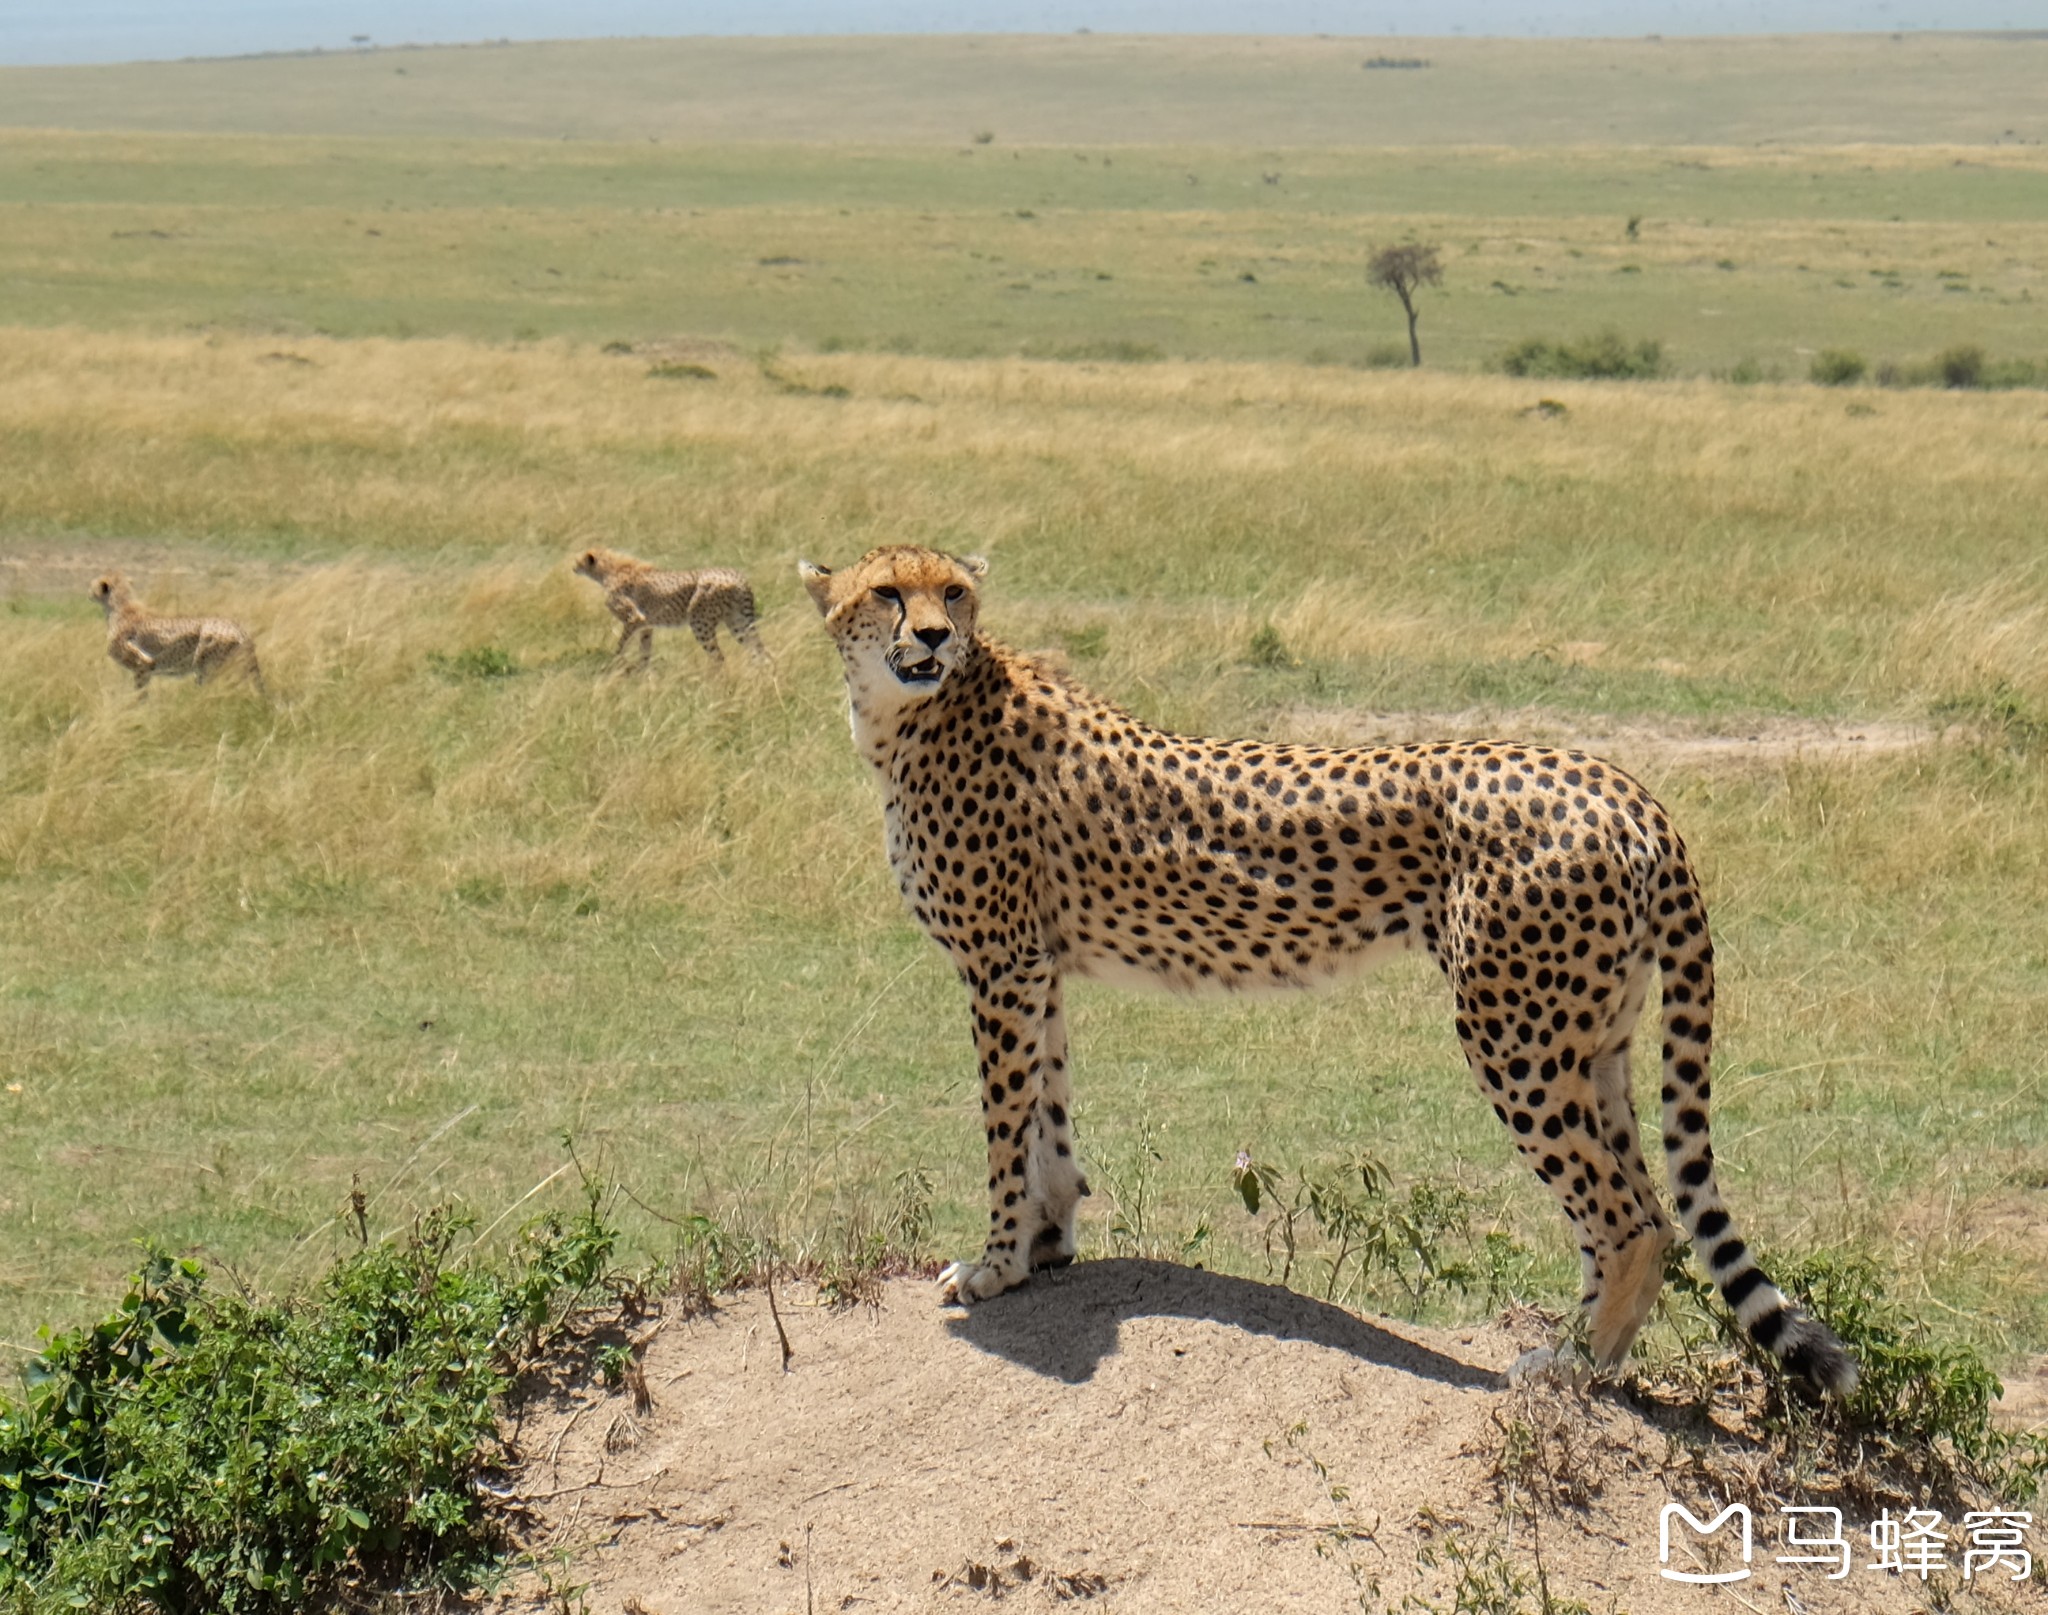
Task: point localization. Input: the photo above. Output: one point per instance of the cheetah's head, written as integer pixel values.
(591, 564)
(109, 589)
(903, 618)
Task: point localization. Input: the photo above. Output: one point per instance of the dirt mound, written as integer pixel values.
(1138, 1436)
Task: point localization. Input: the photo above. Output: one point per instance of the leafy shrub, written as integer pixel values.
(1961, 366)
(1965, 366)
(1103, 350)
(204, 1451)
(1922, 1403)
(1837, 367)
(1268, 649)
(482, 662)
(680, 370)
(1607, 355)
(1422, 1244)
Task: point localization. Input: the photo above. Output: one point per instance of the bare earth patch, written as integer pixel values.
(1127, 1435)
(1757, 740)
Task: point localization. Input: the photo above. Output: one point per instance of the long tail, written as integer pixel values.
(1805, 1345)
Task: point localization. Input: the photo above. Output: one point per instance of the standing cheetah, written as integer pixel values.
(147, 644)
(644, 599)
(1037, 831)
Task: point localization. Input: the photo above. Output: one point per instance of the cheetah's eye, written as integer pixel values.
(891, 595)
(954, 593)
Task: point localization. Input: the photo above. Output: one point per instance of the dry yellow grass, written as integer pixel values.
(249, 951)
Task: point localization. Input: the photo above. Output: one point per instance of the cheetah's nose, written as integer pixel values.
(934, 637)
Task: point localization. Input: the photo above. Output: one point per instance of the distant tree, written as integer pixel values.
(1401, 270)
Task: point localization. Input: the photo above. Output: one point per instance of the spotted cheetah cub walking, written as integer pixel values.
(644, 599)
(147, 644)
(1038, 832)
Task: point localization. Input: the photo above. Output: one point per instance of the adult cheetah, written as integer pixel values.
(148, 644)
(644, 599)
(1038, 832)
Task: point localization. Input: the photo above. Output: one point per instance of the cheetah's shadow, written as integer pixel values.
(1065, 1322)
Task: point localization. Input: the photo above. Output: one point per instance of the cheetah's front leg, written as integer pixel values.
(137, 660)
(1012, 1001)
(1052, 1171)
(632, 620)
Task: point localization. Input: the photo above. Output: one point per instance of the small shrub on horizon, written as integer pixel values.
(1837, 367)
(1961, 365)
(680, 370)
(1964, 368)
(1101, 350)
(1604, 356)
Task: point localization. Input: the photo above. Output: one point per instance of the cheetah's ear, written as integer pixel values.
(976, 565)
(818, 580)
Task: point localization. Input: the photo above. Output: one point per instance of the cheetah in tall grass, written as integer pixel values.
(644, 599)
(148, 644)
(1037, 832)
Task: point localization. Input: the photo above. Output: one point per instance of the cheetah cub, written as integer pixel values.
(1038, 832)
(644, 599)
(147, 644)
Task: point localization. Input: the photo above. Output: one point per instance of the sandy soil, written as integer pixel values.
(1135, 1436)
(1633, 745)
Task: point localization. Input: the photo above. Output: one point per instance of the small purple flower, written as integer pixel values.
(1244, 1160)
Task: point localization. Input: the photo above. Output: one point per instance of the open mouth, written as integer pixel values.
(924, 672)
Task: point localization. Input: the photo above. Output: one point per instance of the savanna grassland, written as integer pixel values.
(457, 891)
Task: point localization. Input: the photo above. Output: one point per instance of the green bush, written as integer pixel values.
(203, 1451)
(1961, 366)
(1604, 356)
(1921, 1403)
(1964, 366)
(481, 662)
(1837, 367)
(1268, 649)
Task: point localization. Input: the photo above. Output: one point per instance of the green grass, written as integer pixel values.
(410, 925)
(1046, 252)
(1257, 95)
(458, 892)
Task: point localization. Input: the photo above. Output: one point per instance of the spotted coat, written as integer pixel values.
(1038, 832)
(147, 644)
(644, 599)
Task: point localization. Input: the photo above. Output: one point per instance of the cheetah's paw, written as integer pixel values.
(964, 1283)
(1548, 1365)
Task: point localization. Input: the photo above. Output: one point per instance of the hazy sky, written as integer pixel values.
(34, 31)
